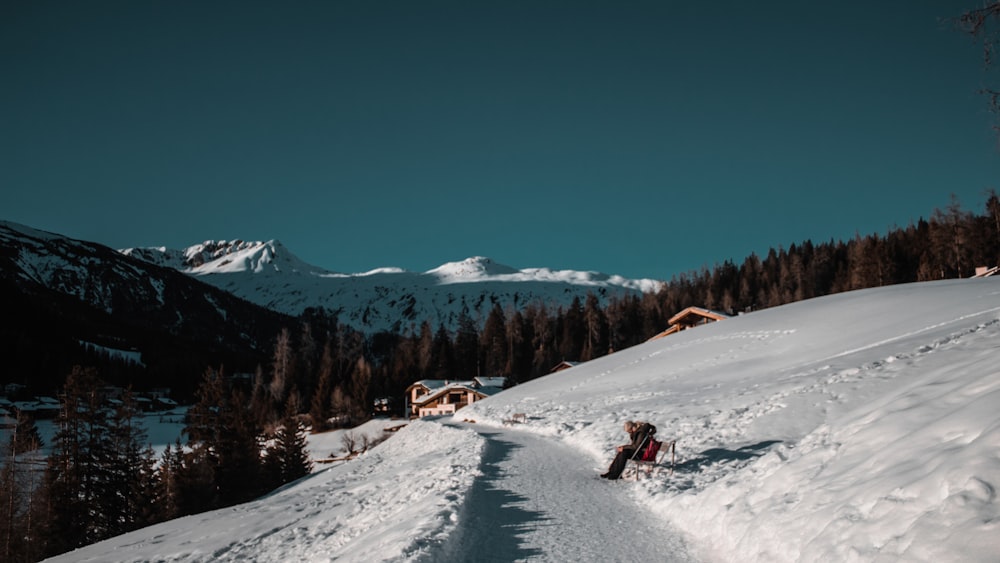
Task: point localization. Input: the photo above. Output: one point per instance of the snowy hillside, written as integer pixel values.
(268, 274)
(857, 427)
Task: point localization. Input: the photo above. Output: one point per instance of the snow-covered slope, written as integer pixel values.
(123, 300)
(863, 426)
(268, 274)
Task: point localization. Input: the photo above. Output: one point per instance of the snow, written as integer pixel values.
(268, 274)
(127, 356)
(857, 427)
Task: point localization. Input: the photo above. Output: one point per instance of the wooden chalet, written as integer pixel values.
(563, 365)
(690, 318)
(432, 397)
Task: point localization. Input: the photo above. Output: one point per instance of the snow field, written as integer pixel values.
(862, 426)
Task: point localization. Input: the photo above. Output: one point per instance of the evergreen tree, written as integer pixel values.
(519, 350)
(21, 530)
(319, 410)
(361, 390)
(74, 475)
(466, 348)
(286, 458)
(281, 375)
(223, 438)
(494, 344)
(573, 331)
(306, 374)
(442, 357)
(595, 322)
(26, 437)
(131, 475)
(239, 451)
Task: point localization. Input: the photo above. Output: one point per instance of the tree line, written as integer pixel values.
(102, 479)
(336, 373)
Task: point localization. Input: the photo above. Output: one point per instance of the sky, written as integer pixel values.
(644, 139)
(801, 435)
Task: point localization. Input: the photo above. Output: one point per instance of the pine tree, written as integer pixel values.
(319, 411)
(130, 472)
(223, 437)
(595, 343)
(170, 492)
(425, 351)
(306, 375)
(361, 390)
(286, 458)
(281, 376)
(519, 351)
(442, 357)
(574, 333)
(74, 477)
(20, 527)
(26, 437)
(466, 348)
(238, 451)
(493, 343)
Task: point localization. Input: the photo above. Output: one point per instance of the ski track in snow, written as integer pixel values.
(538, 499)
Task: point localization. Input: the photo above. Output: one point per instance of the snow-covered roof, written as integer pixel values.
(698, 312)
(491, 381)
(435, 384)
(466, 386)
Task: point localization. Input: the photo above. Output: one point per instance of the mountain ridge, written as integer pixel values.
(383, 299)
(60, 292)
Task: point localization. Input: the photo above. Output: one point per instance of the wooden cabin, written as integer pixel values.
(431, 397)
(690, 318)
(563, 365)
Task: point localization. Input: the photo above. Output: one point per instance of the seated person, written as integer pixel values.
(638, 433)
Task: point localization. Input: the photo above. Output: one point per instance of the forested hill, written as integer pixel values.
(951, 244)
(87, 294)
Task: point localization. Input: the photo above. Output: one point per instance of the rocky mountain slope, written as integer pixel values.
(63, 297)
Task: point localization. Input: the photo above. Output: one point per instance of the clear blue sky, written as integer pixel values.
(645, 139)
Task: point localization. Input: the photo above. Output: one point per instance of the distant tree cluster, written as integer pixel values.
(102, 479)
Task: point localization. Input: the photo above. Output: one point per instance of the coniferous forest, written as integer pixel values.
(245, 433)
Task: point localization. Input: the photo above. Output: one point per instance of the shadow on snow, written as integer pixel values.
(714, 456)
(492, 521)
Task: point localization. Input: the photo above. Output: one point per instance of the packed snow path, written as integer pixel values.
(541, 500)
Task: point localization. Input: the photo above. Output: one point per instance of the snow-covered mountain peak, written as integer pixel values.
(267, 274)
(228, 257)
(475, 268)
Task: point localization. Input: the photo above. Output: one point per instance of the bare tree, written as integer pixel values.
(981, 25)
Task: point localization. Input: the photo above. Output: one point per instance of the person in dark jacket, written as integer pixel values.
(639, 433)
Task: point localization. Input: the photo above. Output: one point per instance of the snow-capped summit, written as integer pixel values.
(477, 268)
(235, 256)
(268, 274)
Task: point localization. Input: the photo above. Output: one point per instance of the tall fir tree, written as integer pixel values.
(287, 458)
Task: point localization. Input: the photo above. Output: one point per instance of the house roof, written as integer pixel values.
(484, 391)
(435, 384)
(565, 364)
(491, 381)
(697, 312)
